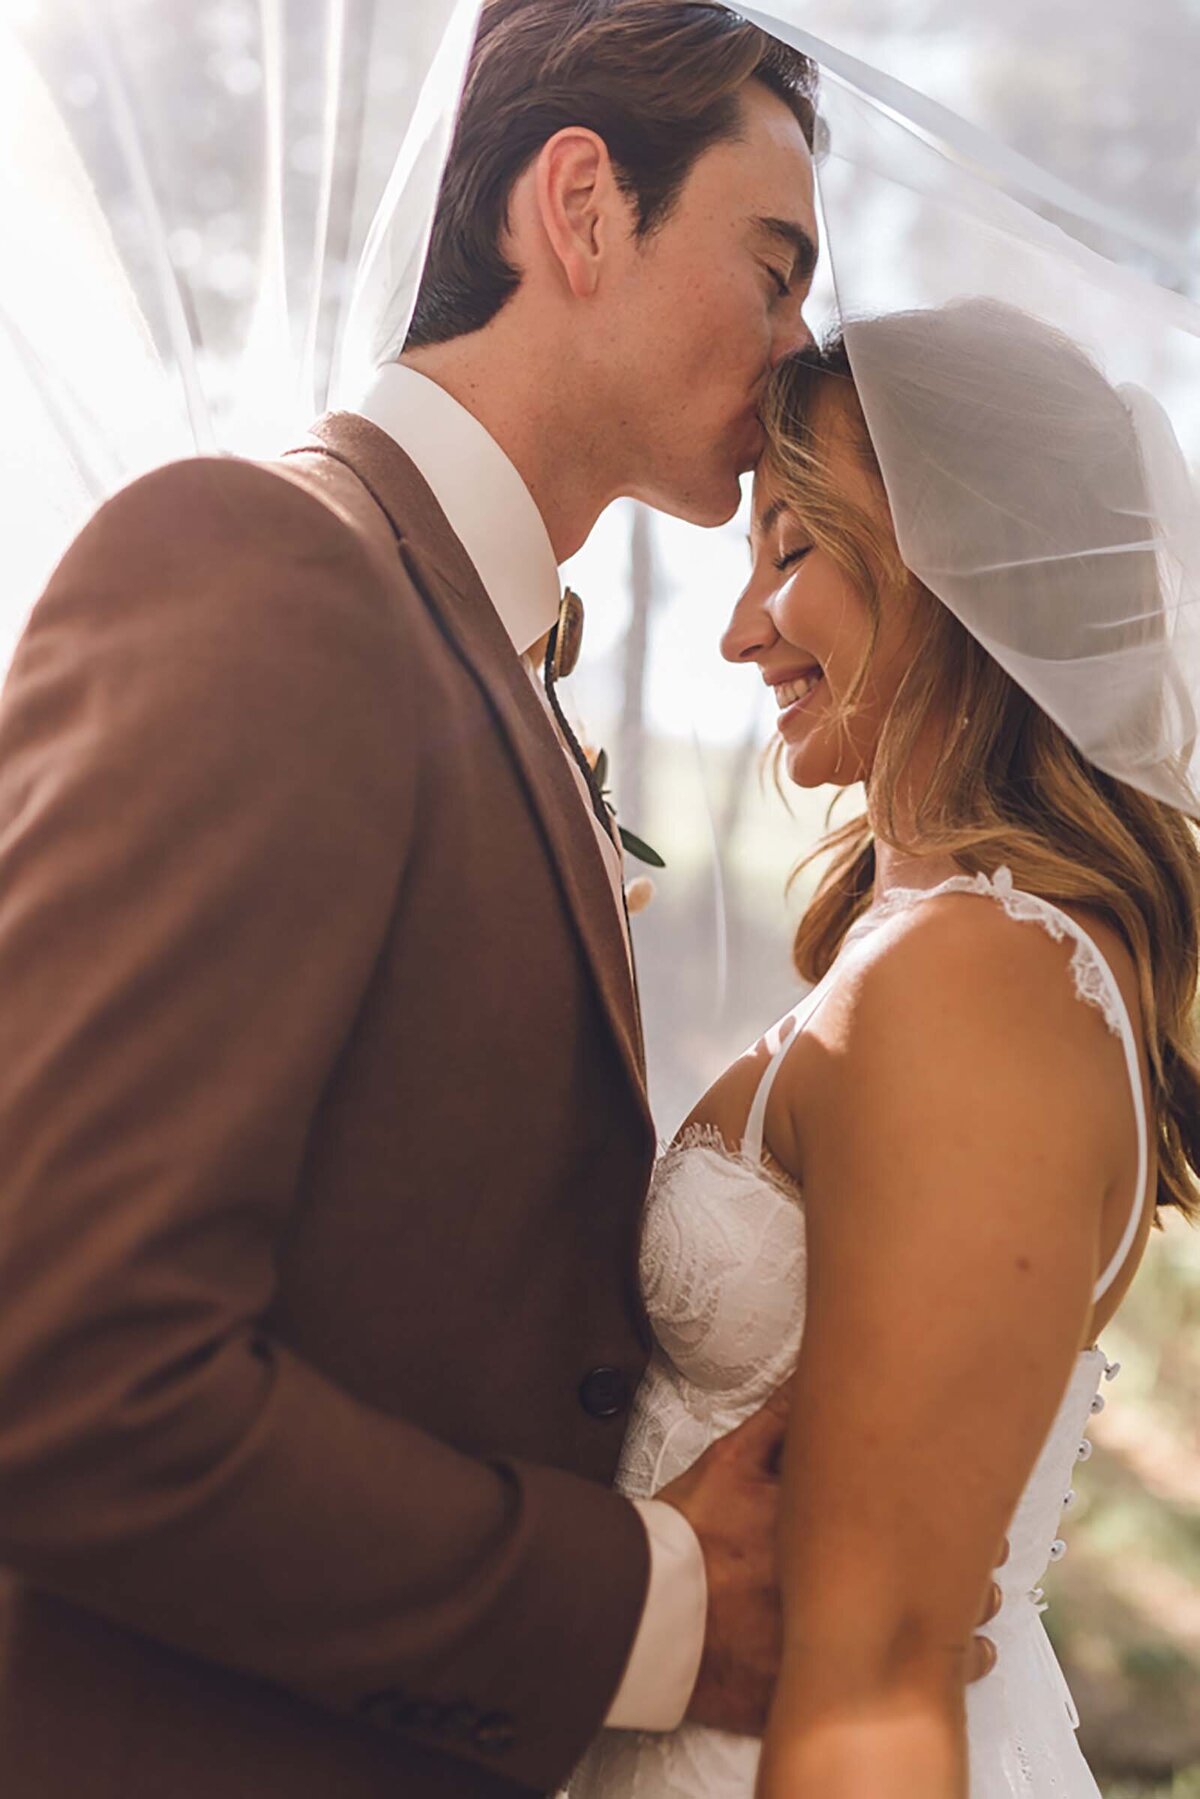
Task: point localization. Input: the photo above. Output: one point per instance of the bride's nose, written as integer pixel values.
(751, 631)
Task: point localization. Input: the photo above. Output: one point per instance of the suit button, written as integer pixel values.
(604, 1392)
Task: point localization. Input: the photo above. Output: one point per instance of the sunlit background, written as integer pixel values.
(186, 193)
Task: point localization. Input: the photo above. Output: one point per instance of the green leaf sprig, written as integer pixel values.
(634, 845)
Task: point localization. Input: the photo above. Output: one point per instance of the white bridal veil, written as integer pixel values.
(1030, 374)
(1029, 364)
(211, 218)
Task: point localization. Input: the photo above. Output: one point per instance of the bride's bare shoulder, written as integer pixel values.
(951, 990)
(956, 991)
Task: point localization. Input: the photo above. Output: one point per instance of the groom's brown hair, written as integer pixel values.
(658, 80)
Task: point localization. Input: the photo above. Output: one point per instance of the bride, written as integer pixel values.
(928, 1187)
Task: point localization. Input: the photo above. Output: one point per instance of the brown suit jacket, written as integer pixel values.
(323, 1144)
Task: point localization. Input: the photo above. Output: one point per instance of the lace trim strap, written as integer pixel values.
(1096, 985)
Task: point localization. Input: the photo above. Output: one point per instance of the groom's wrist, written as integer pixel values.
(660, 1675)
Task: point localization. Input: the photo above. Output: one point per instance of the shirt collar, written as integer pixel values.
(489, 508)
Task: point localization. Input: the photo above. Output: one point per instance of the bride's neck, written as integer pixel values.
(896, 867)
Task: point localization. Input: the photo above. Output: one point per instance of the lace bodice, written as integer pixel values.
(722, 1269)
(723, 1275)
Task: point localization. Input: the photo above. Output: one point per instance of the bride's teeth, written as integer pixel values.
(788, 692)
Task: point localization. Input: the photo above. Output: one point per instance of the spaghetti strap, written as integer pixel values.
(752, 1136)
(799, 1016)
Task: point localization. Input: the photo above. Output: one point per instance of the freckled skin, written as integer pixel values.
(696, 320)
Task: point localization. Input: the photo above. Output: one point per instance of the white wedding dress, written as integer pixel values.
(723, 1273)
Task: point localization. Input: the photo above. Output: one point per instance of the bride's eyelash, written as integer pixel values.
(789, 557)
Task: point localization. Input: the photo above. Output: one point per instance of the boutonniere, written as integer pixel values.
(633, 844)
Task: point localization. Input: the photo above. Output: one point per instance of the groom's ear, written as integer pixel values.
(580, 204)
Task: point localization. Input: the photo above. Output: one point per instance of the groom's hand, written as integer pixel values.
(730, 1497)
(981, 1657)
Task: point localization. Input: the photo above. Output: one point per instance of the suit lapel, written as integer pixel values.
(447, 579)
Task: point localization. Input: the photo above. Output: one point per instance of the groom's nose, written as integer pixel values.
(792, 335)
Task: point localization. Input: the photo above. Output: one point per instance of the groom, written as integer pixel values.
(324, 1128)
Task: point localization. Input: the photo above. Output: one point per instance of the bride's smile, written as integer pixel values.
(833, 668)
(794, 692)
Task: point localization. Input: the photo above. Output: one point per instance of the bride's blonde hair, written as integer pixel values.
(1011, 788)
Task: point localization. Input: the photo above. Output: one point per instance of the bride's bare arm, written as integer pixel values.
(962, 1117)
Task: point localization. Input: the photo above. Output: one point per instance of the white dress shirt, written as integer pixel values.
(495, 518)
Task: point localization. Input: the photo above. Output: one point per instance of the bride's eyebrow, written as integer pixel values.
(766, 522)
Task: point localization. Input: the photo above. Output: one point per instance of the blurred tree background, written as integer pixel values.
(203, 126)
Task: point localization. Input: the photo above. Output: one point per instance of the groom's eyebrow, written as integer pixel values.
(797, 239)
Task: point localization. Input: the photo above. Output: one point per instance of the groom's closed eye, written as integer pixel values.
(796, 238)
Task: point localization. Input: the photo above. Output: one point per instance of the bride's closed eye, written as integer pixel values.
(791, 557)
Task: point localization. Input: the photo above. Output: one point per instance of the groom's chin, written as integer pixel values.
(714, 503)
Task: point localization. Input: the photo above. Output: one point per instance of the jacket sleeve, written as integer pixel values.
(208, 775)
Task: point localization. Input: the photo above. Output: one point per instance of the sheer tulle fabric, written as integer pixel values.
(1037, 485)
(1034, 406)
(215, 219)
(334, 123)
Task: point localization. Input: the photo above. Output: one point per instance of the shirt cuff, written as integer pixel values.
(660, 1675)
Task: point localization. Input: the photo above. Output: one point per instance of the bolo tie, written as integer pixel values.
(562, 657)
